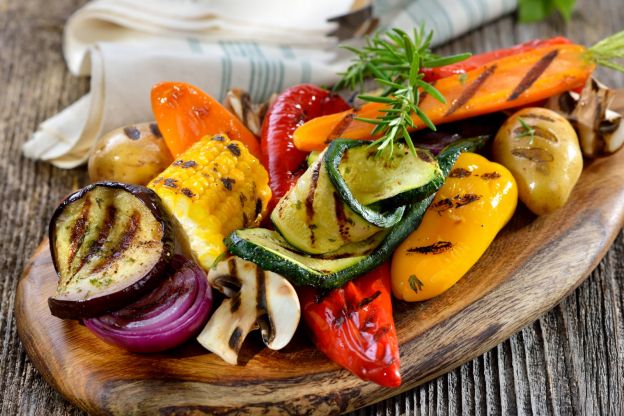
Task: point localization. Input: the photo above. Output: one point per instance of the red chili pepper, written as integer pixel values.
(476, 61)
(353, 326)
(292, 108)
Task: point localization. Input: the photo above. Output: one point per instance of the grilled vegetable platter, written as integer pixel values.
(310, 215)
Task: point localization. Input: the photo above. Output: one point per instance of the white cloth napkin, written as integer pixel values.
(126, 46)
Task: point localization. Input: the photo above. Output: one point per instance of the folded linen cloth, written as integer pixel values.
(126, 46)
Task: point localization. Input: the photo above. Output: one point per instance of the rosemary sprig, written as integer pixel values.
(526, 131)
(394, 60)
(606, 51)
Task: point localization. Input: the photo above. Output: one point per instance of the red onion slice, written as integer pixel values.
(163, 319)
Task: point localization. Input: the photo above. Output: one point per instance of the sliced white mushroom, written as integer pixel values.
(255, 299)
(600, 129)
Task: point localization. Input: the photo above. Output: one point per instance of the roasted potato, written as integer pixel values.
(133, 154)
(541, 150)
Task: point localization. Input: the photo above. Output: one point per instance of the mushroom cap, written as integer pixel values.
(256, 299)
(280, 322)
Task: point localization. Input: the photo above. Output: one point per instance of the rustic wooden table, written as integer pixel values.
(571, 360)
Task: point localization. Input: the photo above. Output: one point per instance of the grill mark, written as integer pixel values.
(443, 205)
(234, 149)
(187, 192)
(435, 248)
(465, 199)
(171, 183)
(107, 226)
(381, 332)
(459, 173)
(126, 239)
(490, 176)
(457, 201)
(235, 339)
(424, 156)
(261, 301)
(340, 127)
(533, 74)
(232, 269)
(471, 90)
(77, 234)
(538, 117)
(235, 302)
(534, 154)
(368, 300)
(341, 218)
(132, 132)
(519, 132)
(228, 183)
(309, 202)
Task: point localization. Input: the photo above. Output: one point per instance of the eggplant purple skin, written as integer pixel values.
(94, 307)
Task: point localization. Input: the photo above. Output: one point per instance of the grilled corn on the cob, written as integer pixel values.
(212, 189)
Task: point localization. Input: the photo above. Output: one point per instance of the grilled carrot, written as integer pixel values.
(501, 84)
(476, 61)
(185, 114)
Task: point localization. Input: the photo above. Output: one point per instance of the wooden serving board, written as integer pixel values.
(531, 266)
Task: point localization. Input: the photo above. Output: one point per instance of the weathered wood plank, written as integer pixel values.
(581, 341)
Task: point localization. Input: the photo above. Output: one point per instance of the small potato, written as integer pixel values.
(541, 150)
(134, 154)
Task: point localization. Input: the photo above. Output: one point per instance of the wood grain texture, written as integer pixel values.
(571, 360)
(529, 268)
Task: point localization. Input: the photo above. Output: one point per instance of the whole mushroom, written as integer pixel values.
(255, 299)
(600, 128)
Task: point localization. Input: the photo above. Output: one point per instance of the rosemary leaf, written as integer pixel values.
(394, 60)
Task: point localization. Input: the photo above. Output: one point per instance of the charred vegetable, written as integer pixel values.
(111, 243)
(541, 150)
(212, 189)
(475, 202)
(353, 326)
(165, 318)
(331, 270)
(349, 194)
(185, 114)
(363, 178)
(504, 83)
(600, 129)
(255, 299)
(313, 218)
(132, 154)
(292, 107)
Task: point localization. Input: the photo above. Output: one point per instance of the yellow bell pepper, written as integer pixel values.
(477, 200)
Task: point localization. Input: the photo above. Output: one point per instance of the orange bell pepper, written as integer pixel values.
(185, 114)
(504, 83)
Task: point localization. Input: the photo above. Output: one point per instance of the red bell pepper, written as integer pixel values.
(476, 61)
(353, 326)
(292, 108)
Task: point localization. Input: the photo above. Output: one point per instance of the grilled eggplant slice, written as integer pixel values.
(111, 243)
